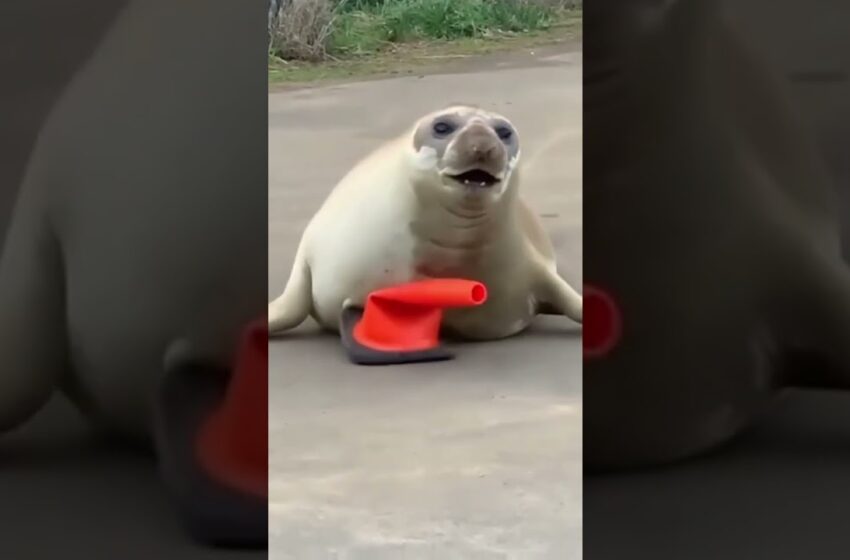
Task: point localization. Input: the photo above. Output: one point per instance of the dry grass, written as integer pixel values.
(303, 29)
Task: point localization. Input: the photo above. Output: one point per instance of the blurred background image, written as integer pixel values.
(716, 138)
(133, 222)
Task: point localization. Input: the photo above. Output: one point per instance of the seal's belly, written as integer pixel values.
(506, 313)
(358, 271)
(347, 263)
(350, 258)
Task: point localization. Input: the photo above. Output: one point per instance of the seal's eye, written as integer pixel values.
(504, 132)
(442, 128)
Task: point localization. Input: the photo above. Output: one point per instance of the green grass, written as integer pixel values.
(367, 27)
(382, 37)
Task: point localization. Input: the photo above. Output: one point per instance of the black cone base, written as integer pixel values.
(363, 355)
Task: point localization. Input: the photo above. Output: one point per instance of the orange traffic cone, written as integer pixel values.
(233, 443)
(602, 325)
(407, 318)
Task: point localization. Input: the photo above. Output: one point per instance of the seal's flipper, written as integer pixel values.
(361, 354)
(556, 297)
(33, 337)
(293, 306)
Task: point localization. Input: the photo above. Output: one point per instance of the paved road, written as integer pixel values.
(476, 458)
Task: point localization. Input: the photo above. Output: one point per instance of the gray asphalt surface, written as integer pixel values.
(475, 458)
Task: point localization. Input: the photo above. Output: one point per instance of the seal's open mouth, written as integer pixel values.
(476, 178)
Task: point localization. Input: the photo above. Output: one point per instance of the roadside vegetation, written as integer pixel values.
(311, 38)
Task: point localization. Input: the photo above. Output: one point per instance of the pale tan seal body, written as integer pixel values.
(440, 201)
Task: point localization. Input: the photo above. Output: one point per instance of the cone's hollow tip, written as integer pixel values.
(603, 322)
(478, 293)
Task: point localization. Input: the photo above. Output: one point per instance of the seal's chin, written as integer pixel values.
(478, 178)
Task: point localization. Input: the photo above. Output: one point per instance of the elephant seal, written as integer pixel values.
(441, 200)
(712, 241)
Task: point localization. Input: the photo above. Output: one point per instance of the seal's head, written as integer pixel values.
(466, 151)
